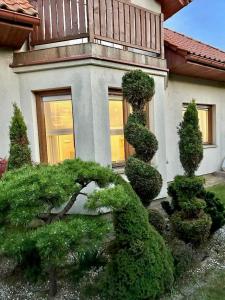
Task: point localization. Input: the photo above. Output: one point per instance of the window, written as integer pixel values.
(205, 122)
(55, 126)
(119, 111)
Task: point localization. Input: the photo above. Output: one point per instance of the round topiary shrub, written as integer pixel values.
(138, 89)
(192, 230)
(157, 220)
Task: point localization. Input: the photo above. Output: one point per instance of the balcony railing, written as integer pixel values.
(114, 21)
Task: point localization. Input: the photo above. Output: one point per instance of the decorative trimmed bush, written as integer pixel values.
(188, 217)
(19, 153)
(190, 144)
(140, 266)
(138, 89)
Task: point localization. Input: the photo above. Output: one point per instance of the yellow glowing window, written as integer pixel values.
(117, 129)
(56, 131)
(205, 122)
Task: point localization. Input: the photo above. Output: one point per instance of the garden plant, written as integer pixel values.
(188, 217)
(140, 265)
(19, 153)
(138, 90)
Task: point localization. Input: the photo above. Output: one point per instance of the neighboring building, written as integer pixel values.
(67, 79)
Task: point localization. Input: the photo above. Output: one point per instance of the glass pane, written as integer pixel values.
(59, 130)
(116, 130)
(203, 115)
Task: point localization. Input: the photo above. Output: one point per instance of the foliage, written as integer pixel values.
(188, 219)
(214, 208)
(157, 220)
(190, 144)
(138, 89)
(141, 267)
(3, 166)
(38, 240)
(19, 153)
(184, 255)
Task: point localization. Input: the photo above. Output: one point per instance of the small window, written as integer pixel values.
(55, 125)
(119, 111)
(205, 122)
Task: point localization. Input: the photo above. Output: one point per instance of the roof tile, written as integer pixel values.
(20, 6)
(192, 46)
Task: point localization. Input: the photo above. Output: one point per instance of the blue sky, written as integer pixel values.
(203, 20)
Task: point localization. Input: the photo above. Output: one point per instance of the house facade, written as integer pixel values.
(65, 68)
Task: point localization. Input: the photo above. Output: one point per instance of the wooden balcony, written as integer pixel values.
(113, 21)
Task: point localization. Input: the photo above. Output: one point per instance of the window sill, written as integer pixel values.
(209, 146)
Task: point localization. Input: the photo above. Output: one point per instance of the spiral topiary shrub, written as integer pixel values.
(140, 266)
(138, 89)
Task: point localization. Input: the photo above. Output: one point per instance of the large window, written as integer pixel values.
(55, 124)
(205, 122)
(119, 111)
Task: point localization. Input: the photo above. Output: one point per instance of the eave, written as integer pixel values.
(184, 63)
(171, 7)
(15, 28)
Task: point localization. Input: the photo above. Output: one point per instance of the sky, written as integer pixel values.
(203, 20)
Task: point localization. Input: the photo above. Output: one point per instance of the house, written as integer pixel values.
(67, 77)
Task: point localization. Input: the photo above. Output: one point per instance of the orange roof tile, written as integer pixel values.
(192, 46)
(19, 6)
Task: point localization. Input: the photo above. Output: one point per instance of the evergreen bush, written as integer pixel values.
(140, 266)
(38, 240)
(188, 217)
(157, 220)
(19, 153)
(190, 144)
(138, 89)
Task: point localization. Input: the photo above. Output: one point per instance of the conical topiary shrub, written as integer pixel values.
(19, 153)
(138, 90)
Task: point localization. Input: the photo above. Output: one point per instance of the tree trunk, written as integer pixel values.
(52, 282)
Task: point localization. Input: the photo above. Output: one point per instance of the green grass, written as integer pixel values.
(219, 190)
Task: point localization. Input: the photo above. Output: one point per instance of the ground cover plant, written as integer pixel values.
(19, 153)
(138, 90)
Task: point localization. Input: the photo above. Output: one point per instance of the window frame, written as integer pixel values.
(128, 149)
(42, 138)
(210, 108)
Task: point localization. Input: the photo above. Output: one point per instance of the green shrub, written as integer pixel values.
(39, 241)
(190, 144)
(138, 89)
(194, 230)
(157, 220)
(214, 208)
(19, 153)
(140, 267)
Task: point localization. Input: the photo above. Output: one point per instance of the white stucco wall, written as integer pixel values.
(152, 5)
(89, 81)
(182, 90)
(9, 93)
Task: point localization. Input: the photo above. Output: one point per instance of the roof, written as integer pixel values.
(191, 46)
(189, 57)
(171, 7)
(19, 6)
